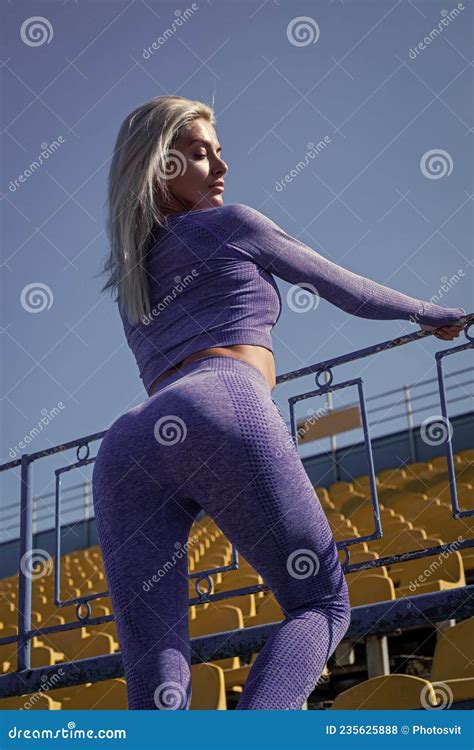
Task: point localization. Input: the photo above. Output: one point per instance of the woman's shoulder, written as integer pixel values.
(230, 218)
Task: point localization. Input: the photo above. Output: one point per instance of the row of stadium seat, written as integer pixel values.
(349, 512)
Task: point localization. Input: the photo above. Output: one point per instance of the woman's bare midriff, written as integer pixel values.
(258, 356)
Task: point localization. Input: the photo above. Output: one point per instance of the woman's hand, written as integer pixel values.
(446, 333)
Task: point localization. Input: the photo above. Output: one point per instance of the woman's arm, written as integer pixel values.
(264, 242)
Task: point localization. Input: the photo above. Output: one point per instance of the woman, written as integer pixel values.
(198, 302)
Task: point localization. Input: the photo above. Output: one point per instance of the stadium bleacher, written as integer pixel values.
(429, 665)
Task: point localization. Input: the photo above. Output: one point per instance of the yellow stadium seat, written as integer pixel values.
(77, 644)
(208, 688)
(369, 588)
(429, 574)
(323, 496)
(400, 541)
(453, 661)
(440, 463)
(397, 691)
(216, 619)
(246, 602)
(33, 701)
(389, 476)
(93, 696)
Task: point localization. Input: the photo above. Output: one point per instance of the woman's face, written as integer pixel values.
(195, 169)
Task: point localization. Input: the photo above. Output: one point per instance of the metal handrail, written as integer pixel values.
(25, 632)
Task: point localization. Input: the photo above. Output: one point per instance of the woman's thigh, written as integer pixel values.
(235, 458)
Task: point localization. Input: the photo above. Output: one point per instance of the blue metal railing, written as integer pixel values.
(464, 602)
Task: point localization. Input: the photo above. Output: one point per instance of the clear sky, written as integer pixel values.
(388, 195)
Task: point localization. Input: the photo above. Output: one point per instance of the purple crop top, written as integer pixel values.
(211, 284)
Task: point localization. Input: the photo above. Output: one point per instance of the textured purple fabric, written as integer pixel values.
(211, 437)
(211, 284)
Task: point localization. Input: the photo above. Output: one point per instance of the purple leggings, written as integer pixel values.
(211, 437)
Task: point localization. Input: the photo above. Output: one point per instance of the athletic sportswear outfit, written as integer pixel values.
(212, 438)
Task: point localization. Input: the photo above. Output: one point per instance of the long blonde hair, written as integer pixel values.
(137, 182)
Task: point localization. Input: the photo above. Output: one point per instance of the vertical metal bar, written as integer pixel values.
(57, 549)
(411, 424)
(34, 514)
(24, 579)
(370, 458)
(449, 447)
(87, 513)
(332, 438)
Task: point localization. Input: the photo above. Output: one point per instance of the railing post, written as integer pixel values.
(332, 438)
(24, 578)
(411, 424)
(87, 512)
(34, 514)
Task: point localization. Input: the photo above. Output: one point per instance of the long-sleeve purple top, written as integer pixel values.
(211, 284)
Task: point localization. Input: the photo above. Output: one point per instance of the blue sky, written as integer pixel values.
(389, 196)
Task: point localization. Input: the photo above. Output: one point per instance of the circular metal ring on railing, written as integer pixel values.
(88, 450)
(346, 556)
(79, 606)
(321, 372)
(467, 335)
(209, 588)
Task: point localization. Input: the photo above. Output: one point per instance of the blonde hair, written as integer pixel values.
(137, 181)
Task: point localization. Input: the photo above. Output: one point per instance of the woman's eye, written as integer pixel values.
(201, 156)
